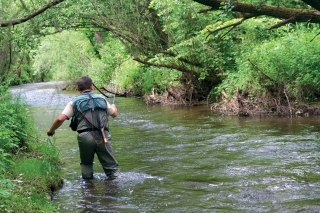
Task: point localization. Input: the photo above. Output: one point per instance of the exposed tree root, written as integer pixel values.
(281, 105)
(175, 95)
(190, 92)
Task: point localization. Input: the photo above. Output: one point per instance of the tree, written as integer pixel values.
(255, 9)
(183, 35)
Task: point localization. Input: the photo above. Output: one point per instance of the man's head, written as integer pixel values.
(84, 83)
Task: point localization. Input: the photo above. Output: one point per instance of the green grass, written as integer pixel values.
(28, 185)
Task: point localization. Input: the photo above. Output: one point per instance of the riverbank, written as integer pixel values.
(30, 168)
(265, 106)
(240, 105)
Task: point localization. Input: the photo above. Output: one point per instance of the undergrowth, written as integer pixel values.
(29, 168)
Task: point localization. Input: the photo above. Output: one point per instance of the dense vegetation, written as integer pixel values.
(29, 167)
(184, 51)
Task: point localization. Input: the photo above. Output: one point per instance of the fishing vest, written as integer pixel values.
(90, 112)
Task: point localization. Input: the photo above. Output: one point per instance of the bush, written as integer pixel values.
(13, 126)
(288, 65)
(29, 169)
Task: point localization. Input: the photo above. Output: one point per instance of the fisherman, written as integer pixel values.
(89, 113)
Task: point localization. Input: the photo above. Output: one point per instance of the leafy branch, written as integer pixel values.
(30, 16)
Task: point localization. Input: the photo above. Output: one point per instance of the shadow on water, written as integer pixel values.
(177, 159)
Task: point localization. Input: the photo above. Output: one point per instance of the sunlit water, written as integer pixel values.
(176, 159)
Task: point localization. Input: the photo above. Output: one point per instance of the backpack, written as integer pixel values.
(90, 106)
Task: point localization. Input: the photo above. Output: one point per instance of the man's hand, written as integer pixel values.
(56, 124)
(50, 133)
(115, 114)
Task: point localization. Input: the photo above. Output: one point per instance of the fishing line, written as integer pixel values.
(115, 92)
(50, 140)
(116, 88)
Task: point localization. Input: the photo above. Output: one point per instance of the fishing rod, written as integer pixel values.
(115, 92)
(102, 92)
(114, 96)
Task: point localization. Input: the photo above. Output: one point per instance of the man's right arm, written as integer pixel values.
(65, 115)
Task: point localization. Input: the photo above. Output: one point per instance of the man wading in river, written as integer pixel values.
(89, 114)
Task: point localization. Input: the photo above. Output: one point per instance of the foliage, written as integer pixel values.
(70, 54)
(207, 46)
(6, 185)
(159, 79)
(61, 57)
(288, 64)
(13, 125)
(14, 55)
(112, 55)
(16, 44)
(128, 77)
(28, 169)
(285, 3)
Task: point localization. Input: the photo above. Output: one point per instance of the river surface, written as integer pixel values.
(178, 159)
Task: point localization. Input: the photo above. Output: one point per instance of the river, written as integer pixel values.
(187, 159)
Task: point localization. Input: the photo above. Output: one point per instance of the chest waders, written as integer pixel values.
(90, 116)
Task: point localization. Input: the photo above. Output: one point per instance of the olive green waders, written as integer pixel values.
(94, 137)
(91, 142)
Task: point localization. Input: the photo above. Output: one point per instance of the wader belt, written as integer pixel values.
(90, 130)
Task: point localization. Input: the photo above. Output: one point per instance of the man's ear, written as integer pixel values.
(91, 87)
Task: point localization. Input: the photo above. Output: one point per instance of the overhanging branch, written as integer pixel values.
(169, 66)
(233, 25)
(311, 16)
(284, 22)
(30, 16)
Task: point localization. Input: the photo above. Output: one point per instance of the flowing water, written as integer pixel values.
(178, 159)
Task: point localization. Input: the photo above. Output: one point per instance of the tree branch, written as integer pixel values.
(30, 16)
(169, 66)
(284, 22)
(312, 16)
(231, 25)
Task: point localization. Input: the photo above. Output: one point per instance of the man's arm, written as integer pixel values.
(56, 124)
(115, 113)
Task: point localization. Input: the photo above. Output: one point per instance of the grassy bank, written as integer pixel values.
(29, 167)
